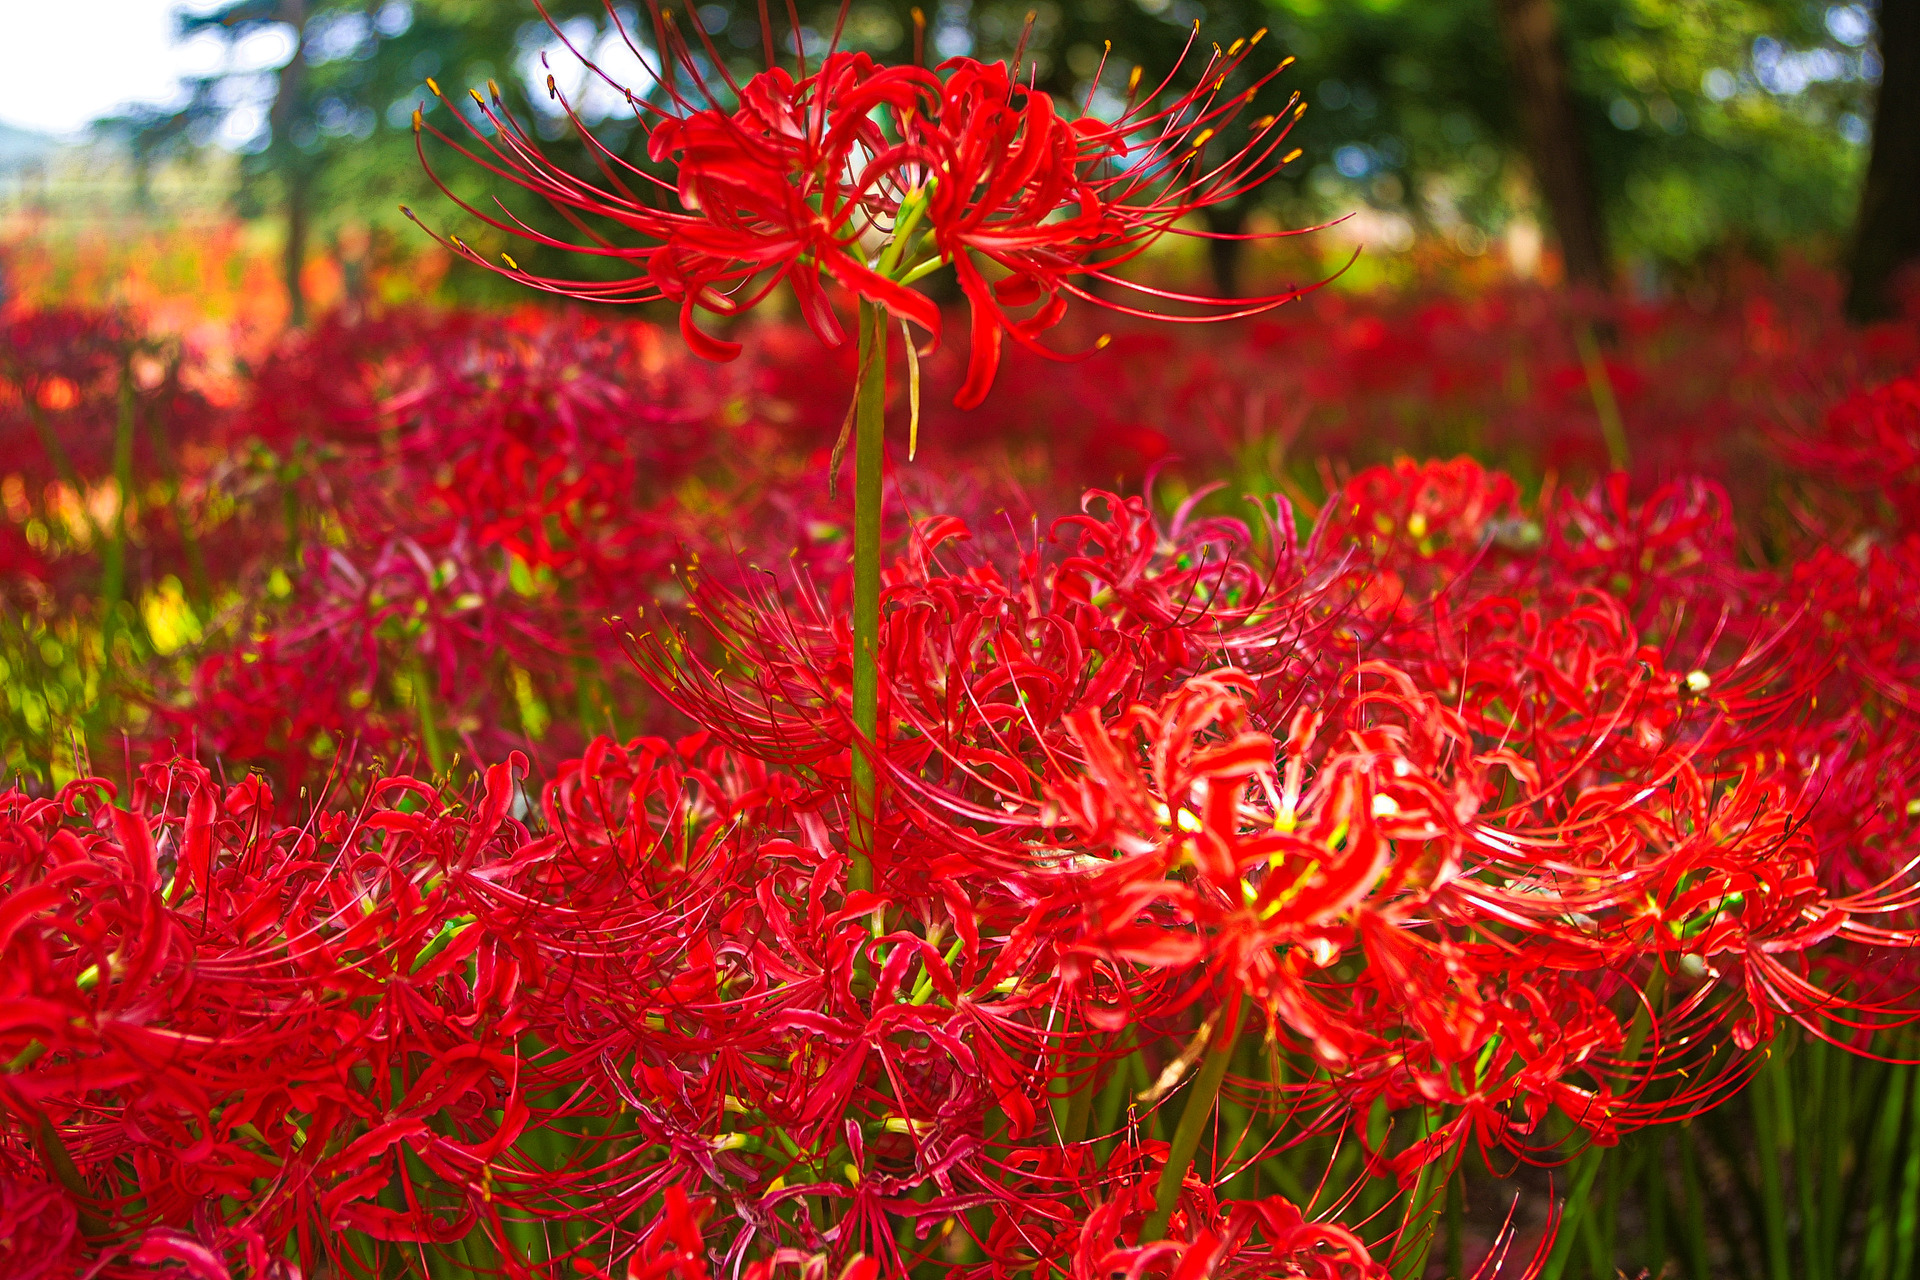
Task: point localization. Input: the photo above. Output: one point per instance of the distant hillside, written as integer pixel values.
(20, 147)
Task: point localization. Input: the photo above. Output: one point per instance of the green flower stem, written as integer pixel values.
(1575, 1215)
(1424, 1205)
(1771, 1118)
(59, 1164)
(869, 426)
(1906, 1232)
(1201, 1096)
(1457, 1224)
(1883, 1154)
(1693, 1223)
(417, 680)
(912, 209)
(113, 573)
(1605, 404)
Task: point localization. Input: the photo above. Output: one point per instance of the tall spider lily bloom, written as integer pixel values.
(873, 177)
(1052, 204)
(781, 189)
(876, 177)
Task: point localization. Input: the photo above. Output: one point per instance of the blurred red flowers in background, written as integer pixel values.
(1438, 815)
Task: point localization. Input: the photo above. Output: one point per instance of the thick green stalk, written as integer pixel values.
(1654, 1173)
(113, 574)
(1078, 1108)
(1605, 404)
(1765, 1094)
(1424, 1205)
(198, 586)
(1457, 1223)
(869, 425)
(1600, 1234)
(417, 680)
(1110, 1108)
(1577, 1214)
(1906, 1229)
(1876, 1255)
(1693, 1223)
(1201, 1096)
(59, 1164)
(1812, 1142)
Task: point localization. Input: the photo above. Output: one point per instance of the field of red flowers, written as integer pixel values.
(1404, 787)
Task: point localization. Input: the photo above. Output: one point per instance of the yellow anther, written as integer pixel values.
(1201, 140)
(1285, 63)
(416, 119)
(1299, 111)
(508, 259)
(1236, 47)
(477, 98)
(1104, 341)
(553, 90)
(1291, 156)
(433, 86)
(1133, 81)
(1258, 36)
(1263, 124)
(493, 89)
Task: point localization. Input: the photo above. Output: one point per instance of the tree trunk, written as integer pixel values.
(1886, 236)
(1226, 258)
(287, 158)
(295, 253)
(1555, 145)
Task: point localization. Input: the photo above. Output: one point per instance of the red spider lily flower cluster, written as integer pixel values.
(1868, 448)
(248, 1043)
(792, 179)
(482, 506)
(1466, 828)
(1490, 832)
(1500, 818)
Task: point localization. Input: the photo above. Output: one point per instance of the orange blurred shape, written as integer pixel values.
(58, 393)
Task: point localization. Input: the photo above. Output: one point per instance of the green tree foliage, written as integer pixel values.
(325, 129)
(1710, 122)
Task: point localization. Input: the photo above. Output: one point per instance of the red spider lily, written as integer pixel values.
(353, 1032)
(1870, 446)
(39, 1230)
(793, 180)
(1642, 801)
(1477, 942)
(1494, 834)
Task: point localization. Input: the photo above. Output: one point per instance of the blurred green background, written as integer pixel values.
(1636, 144)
